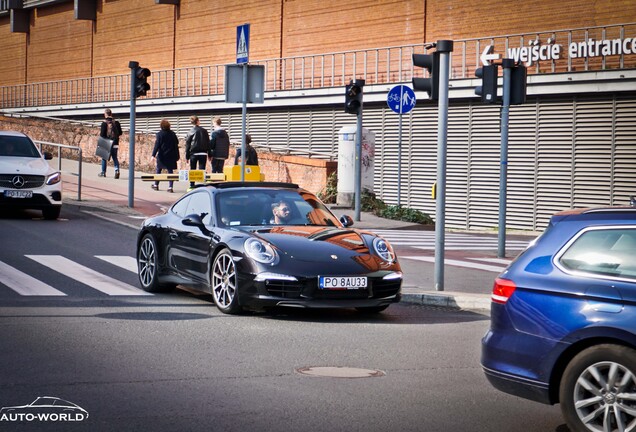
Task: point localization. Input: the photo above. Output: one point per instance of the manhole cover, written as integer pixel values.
(340, 372)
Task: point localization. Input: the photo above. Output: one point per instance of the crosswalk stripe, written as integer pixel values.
(458, 263)
(25, 284)
(126, 262)
(86, 275)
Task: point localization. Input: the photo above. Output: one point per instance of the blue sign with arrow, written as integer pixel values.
(401, 99)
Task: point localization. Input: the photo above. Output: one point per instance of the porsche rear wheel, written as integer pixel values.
(225, 283)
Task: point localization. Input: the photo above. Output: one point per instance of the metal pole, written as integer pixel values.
(133, 65)
(507, 64)
(399, 179)
(444, 47)
(358, 170)
(244, 122)
(79, 178)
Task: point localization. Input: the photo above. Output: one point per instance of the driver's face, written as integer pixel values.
(283, 211)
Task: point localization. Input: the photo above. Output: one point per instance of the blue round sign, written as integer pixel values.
(401, 99)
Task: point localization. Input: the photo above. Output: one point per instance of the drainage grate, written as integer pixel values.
(340, 372)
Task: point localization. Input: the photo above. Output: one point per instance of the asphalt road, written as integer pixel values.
(173, 362)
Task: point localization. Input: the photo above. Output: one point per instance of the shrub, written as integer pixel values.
(369, 203)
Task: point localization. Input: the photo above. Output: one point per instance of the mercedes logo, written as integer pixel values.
(18, 181)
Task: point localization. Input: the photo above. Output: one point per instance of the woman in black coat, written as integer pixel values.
(166, 152)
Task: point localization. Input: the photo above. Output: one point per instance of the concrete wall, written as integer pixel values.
(310, 174)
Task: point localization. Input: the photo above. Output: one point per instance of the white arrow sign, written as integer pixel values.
(488, 55)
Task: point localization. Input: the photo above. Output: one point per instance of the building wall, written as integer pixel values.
(460, 19)
(59, 46)
(322, 26)
(206, 31)
(201, 32)
(13, 48)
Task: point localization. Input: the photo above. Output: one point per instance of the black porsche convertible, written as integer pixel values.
(257, 245)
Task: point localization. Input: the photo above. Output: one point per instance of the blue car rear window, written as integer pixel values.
(603, 252)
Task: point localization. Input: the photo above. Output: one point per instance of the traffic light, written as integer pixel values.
(518, 78)
(141, 81)
(430, 62)
(488, 88)
(353, 97)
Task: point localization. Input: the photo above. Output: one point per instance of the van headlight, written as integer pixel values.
(54, 178)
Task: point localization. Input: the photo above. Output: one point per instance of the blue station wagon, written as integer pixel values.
(563, 320)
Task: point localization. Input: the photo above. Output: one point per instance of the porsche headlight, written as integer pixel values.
(260, 251)
(383, 249)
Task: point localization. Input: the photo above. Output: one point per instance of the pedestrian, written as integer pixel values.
(197, 146)
(220, 145)
(110, 129)
(252, 156)
(166, 152)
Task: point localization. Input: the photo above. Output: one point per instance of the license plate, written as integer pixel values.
(342, 282)
(18, 194)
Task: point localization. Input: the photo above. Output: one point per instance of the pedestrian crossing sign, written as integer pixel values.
(242, 43)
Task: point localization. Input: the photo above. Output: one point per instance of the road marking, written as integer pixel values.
(126, 262)
(425, 240)
(493, 260)
(87, 276)
(458, 263)
(25, 284)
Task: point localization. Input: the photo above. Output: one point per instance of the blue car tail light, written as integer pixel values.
(502, 290)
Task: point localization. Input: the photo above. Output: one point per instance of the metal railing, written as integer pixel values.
(377, 66)
(59, 161)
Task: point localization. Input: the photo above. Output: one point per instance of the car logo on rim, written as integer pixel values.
(334, 257)
(18, 181)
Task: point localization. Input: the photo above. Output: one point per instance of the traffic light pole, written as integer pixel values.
(133, 65)
(507, 65)
(444, 47)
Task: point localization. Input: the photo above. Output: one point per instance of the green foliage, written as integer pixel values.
(369, 203)
(330, 192)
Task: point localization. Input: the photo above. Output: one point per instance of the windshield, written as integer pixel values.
(17, 146)
(255, 207)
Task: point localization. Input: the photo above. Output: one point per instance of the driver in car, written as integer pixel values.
(282, 212)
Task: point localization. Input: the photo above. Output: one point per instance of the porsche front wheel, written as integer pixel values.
(225, 283)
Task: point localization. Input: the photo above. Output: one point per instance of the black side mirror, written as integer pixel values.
(632, 200)
(346, 221)
(196, 220)
(47, 155)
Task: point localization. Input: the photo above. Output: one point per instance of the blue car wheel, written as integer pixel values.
(598, 389)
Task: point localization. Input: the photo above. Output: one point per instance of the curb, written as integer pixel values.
(454, 300)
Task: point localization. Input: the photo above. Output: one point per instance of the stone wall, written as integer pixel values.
(310, 174)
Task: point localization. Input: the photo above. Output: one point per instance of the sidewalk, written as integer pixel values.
(108, 198)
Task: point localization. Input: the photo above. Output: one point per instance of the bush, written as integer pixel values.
(369, 203)
(330, 192)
